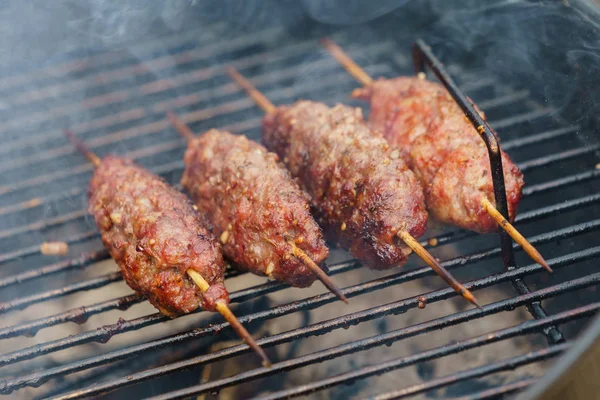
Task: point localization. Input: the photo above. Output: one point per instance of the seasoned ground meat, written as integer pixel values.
(257, 209)
(362, 191)
(155, 236)
(443, 149)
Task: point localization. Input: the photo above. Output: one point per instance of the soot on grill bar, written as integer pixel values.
(110, 71)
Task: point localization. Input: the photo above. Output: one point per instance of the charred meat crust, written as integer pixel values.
(443, 149)
(362, 191)
(254, 205)
(155, 236)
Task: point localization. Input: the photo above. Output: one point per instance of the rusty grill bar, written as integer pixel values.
(190, 91)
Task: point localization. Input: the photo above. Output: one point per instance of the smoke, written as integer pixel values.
(349, 12)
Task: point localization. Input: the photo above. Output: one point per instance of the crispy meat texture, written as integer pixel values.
(443, 149)
(362, 191)
(254, 205)
(155, 236)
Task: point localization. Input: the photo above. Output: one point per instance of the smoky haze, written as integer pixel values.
(555, 43)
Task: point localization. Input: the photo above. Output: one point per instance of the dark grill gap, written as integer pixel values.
(222, 105)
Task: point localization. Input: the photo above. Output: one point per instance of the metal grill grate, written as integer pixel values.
(116, 102)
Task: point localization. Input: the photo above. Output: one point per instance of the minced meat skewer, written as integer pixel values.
(363, 194)
(258, 211)
(443, 149)
(161, 244)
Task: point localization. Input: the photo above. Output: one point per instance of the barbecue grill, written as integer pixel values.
(72, 329)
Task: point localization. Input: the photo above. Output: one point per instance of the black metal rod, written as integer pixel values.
(108, 331)
(365, 372)
(422, 54)
(504, 365)
(337, 323)
(39, 378)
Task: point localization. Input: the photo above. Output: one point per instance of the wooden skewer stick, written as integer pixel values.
(230, 317)
(221, 307)
(507, 226)
(344, 59)
(437, 267)
(323, 277)
(266, 105)
(180, 126)
(361, 76)
(187, 133)
(256, 95)
(82, 148)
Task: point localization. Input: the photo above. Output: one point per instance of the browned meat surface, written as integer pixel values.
(155, 236)
(362, 191)
(254, 205)
(442, 147)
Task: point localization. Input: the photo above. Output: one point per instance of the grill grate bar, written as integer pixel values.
(534, 139)
(313, 302)
(505, 365)
(160, 108)
(262, 289)
(341, 322)
(561, 182)
(57, 221)
(500, 391)
(34, 326)
(540, 137)
(66, 290)
(364, 372)
(44, 224)
(87, 260)
(159, 86)
(554, 158)
(520, 118)
(104, 59)
(35, 249)
(105, 77)
(503, 100)
(78, 315)
(82, 261)
(162, 124)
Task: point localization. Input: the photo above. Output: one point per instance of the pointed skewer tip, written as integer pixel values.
(224, 310)
(348, 63)
(82, 148)
(260, 99)
(436, 266)
(514, 234)
(323, 277)
(180, 126)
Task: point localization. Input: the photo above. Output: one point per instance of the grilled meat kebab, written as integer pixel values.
(259, 212)
(443, 148)
(164, 248)
(362, 192)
